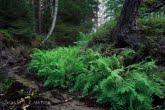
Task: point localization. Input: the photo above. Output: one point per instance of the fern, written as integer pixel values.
(54, 64)
(106, 78)
(128, 53)
(84, 39)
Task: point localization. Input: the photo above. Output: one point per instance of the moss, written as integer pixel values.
(152, 25)
(149, 3)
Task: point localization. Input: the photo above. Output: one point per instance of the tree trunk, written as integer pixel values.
(125, 33)
(51, 8)
(53, 21)
(33, 9)
(39, 16)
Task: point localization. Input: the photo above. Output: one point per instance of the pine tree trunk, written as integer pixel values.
(53, 21)
(125, 33)
(39, 16)
(33, 9)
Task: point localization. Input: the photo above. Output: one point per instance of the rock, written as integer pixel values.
(161, 68)
(4, 73)
(3, 54)
(132, 40)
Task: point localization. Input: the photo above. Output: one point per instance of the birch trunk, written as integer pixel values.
(53, 22)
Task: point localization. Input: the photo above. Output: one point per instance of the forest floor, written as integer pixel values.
(27, 89)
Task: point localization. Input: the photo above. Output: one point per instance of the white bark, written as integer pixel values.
(53, 21)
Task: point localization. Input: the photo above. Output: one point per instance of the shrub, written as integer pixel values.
(105, 78)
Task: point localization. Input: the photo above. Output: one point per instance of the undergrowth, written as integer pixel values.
(5, 84)
(106, 78)
(152, 25)
(146, 25)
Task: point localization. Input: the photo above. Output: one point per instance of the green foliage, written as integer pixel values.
(58, 66)
(80, 10)
(74, 16)
(5, 84)
(105, 78)
(152, 25)
(105, 29)
(149, 3)
(121, 87)
(113, 7)
(16, 19)
(128, 53)
(146, 26)
(84, 39)
(130, 88)
(103, 33)
(15, 14)
(5, 33)
(98, 70)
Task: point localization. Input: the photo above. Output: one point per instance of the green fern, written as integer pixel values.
(106, 78)
(54, 64)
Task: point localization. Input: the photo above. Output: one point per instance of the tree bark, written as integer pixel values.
(53, 21)
(39, 16)
(125, 33)
(33, 9)
(51, 8)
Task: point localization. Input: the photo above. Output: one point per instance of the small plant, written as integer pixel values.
(84, 39)
(5, 84)
(128, 53)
